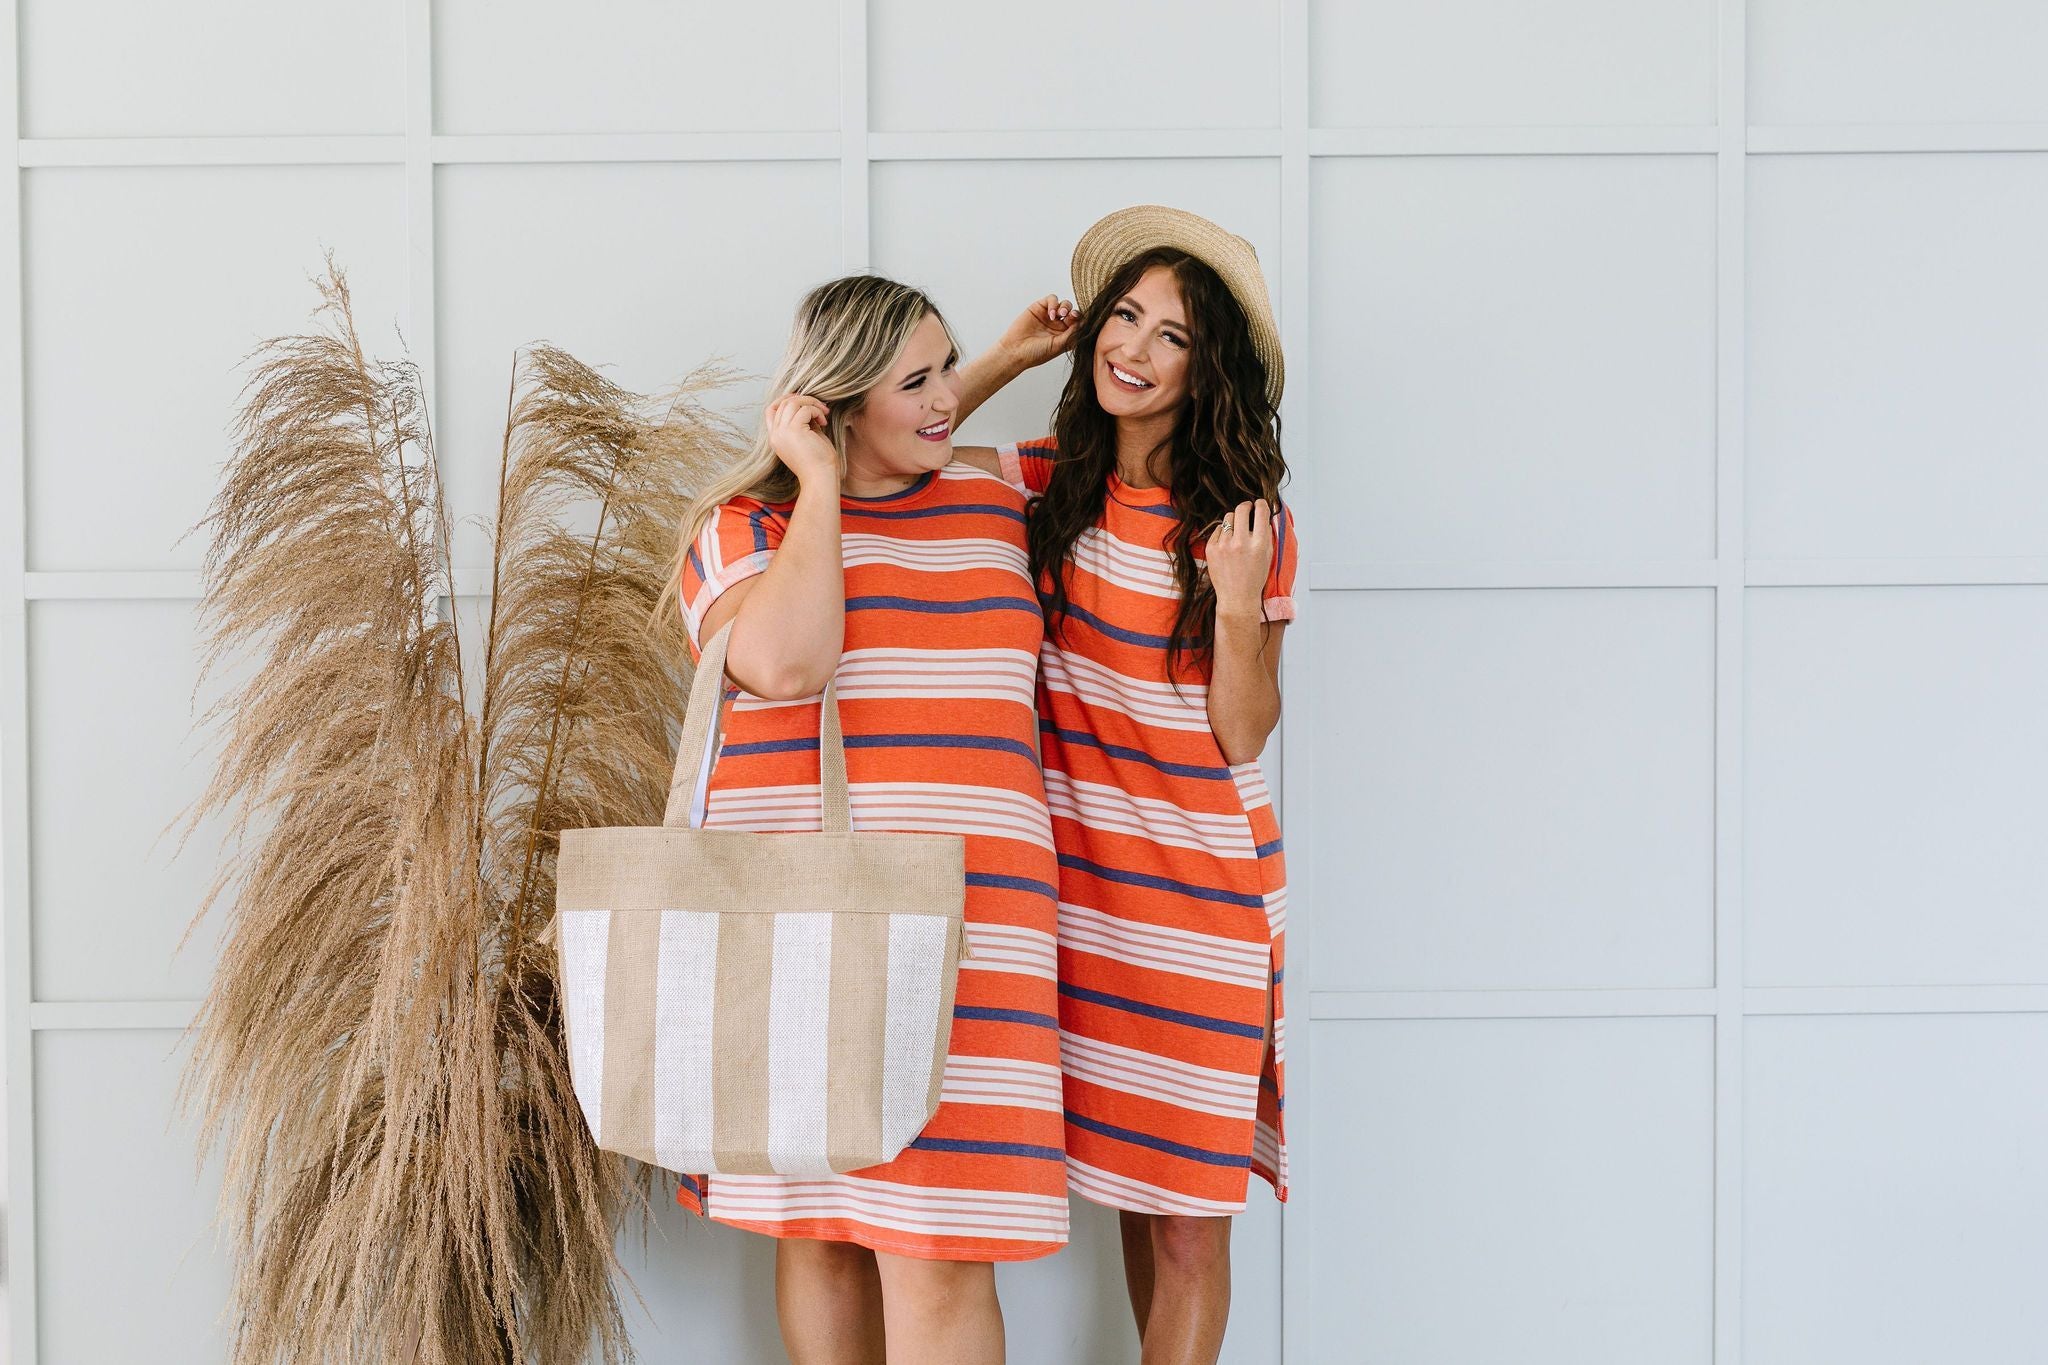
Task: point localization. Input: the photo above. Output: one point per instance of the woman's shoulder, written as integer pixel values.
(753, 505)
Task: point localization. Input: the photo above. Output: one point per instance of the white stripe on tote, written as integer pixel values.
(585, 937)
(799, 1020)
(915, 941)
(685, 993)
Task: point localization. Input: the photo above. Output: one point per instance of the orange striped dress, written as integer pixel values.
(936, 695)
(1173, 886)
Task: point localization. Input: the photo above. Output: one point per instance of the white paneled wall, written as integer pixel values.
(1664, 773)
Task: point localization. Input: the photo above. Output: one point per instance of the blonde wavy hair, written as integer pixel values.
(847, 335)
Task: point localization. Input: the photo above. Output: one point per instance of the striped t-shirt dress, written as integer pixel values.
(936, 696)
(1173, 886)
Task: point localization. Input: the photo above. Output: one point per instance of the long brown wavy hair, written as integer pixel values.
(1224, 447)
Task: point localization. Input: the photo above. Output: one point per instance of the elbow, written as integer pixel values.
(1240, 748)
(794, 681)
(1236, 757)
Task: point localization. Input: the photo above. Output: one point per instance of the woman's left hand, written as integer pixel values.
(1240, 555)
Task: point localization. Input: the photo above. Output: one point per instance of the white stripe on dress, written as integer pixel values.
(998, 1214)
(1184, 952)
(1103, 807)
(1133, 568)
(1122, 1192)
(1251, 784)
(1002, 1080)
(1148, 703)
(932, 556)
(1007, 948)
(927, 807)
(1185, 1085)
(989, 674)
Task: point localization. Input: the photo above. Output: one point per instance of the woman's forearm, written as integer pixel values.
(1244, 690)
(983, 377)
(790, 628)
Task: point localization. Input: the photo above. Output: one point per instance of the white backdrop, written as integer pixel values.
(1663, 775)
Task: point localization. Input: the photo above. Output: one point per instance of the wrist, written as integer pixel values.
(1239, 615)
(1013, 358)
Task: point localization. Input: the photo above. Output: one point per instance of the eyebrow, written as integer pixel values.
(1164, 322)
(951, 357)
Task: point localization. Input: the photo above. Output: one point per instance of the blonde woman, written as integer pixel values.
(849, 545)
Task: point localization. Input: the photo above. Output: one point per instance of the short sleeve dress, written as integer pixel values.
(1173, 884)
(936, 695)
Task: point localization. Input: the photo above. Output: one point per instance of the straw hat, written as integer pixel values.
(1123, 234)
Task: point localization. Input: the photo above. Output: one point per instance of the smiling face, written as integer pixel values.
(904, 424)
(1141, 354)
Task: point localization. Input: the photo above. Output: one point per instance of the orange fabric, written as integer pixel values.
(936, 697)
(1173, 885)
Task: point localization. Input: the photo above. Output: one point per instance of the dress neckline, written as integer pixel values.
(1159, 495)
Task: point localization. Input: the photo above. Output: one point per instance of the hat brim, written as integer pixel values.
(1115, 239)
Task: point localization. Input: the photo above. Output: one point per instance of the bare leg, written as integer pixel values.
(828, 1298)
(1190, 1290)
(941, 1312)
(1137, 1231)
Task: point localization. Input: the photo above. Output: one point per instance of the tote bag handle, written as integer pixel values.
(701, 720)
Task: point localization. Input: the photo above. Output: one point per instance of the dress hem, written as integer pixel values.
(808, 1231)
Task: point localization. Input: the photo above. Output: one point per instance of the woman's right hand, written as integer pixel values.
(796, 433)
(1040, 332)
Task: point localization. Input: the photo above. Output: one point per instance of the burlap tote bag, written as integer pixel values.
(745, 1003)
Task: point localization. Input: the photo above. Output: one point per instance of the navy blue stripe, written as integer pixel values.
(952, 509)
(995, 742)
(1157, 1144)
(917, 485)
(767, 746)
(1153, 509)
(931, 1144)
(1102, 627)
(1263, 849)
(697, 564)
(1200, 893)
(754, 519)
(1200, 1021)
(1001, 882)
(1279, 975)
(972, 604)
(991, 1015)
(1082, 737)
(791, 746)
(691, 1185)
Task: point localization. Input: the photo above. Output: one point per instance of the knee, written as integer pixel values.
(935, 1286)
(833, 1261)
(1191, 1244)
